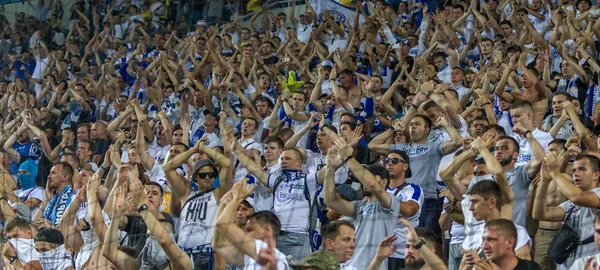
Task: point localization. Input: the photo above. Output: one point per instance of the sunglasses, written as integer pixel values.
(207, 175)
(392, 160)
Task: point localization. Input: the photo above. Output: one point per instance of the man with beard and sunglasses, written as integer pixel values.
(410, 197)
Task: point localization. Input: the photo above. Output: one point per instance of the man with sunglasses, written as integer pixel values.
(426, 157)
(199, 207)
(410, 197)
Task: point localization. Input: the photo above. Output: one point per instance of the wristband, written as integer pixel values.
(487, 103)
(143, 207)
(420, 244)
(104, 168)
(415, 106)
(525, 134)
(2, 198)
(348, 158)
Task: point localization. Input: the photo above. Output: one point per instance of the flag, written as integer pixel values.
(253, 5)
(337, 10)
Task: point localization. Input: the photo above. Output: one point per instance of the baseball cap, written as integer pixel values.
(49, 235)
(251, 202)
(406, 158)
(321, 260)
(347, 192)
(377, 169)
(21, 210)
(327, 63)
(201, 163)
(471, 70)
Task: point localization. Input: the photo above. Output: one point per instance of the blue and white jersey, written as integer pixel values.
(592, 98)
(525, 153)
(28, 150)
(410, 192)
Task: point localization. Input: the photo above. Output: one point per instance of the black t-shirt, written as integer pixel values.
(136, 231)
(100, 147)
(527, 265)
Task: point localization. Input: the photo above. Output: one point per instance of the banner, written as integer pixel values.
(4, 2)
(337, 10)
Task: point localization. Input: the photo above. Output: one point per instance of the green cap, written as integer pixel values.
(321, 260)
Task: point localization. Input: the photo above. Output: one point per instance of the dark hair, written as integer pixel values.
(506, 227)
(432, 105)
(332, 229)
(513, 140)
(487, 40)
(347, 72)
(487, 190)
(89, 143)
(332, 127)
(352, 125)
(182, 144)
(84, 125)
(564, 94)
(151, 183)
(426, 119)
(498, 128)
(479, 118)
(459, 6)
(426, 233)
(253, 120)
(594, 161)
(265, 99)
(267, 218)
(177, 127)
(274, 139)
(17, 222)
(507, 22)
(439, 54)
(351, 115)
(560, 142)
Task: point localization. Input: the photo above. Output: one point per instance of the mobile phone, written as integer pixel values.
(396, 46)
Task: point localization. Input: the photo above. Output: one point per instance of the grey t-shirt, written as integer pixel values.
(566, 131)
(582, 221)
(424, 162)
(518, 179)
(373, 224)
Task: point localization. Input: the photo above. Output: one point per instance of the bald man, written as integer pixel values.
(98, 135)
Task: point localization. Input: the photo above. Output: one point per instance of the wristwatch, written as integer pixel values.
(420, 244)
(143, 207)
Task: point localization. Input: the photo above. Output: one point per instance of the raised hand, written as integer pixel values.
(343, 147)
(386, 247)
(333, 158)
(241, 191)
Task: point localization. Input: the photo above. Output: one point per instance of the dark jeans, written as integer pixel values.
(430, 216)
(395, 263)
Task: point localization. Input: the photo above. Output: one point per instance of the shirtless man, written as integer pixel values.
(534, 91)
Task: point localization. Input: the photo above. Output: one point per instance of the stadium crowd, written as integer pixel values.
(409, 135)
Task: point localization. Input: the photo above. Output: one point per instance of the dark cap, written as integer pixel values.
(406, 158)
(201, 163)
(347, 192)
(50, 235)
(514, 48)
(376, 169)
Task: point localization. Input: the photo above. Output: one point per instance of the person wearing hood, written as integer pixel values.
(29, 193)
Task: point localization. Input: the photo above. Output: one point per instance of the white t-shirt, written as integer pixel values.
(290, 204)
(410, 192)
(251, 264)
(34, 192)
(525, 153)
